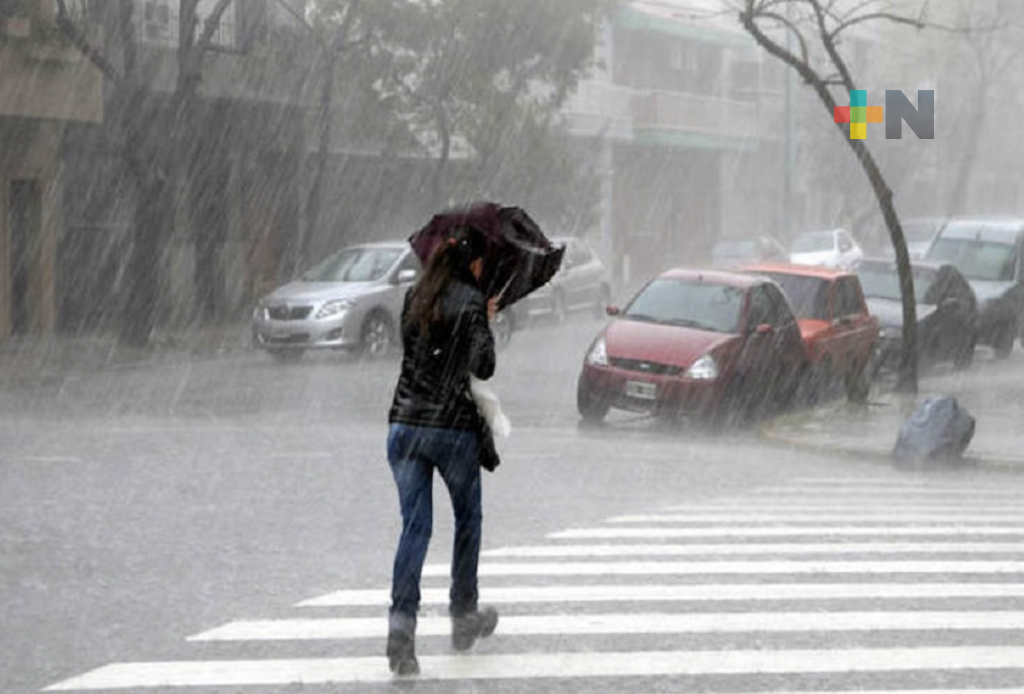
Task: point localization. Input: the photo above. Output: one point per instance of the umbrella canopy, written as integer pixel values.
(519, 257)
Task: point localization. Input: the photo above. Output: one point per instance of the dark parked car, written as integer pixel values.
(735, 250)
(695, 342)
(580, 285)
(990, 254)
(947, 312)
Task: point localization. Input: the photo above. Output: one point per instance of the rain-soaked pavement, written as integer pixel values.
(205, 517)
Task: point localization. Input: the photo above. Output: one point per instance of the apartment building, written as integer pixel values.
(45, 86)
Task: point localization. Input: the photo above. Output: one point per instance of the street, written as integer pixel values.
(228, 523)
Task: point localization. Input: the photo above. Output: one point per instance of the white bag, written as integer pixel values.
(490, 407)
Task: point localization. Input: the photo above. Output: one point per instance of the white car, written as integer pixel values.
(832, 248)
(581, 284)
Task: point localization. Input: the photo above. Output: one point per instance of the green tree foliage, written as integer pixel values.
(483, 81)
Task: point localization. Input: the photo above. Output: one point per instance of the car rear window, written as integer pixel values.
(880, 282)
(814, 242)
(808, 296)
(976, 260)
(689, 303)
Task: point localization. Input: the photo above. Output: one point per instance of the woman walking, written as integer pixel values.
(446, 337)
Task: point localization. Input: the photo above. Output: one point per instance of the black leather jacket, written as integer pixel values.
(433, 388)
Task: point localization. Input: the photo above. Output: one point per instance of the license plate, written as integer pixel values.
(641, 390)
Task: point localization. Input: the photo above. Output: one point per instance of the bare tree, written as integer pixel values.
(819, 25)
(994, 50)
(150, 139)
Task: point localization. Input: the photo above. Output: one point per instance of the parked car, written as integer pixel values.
(947, 312)
(695, 342)
(990, 254)
(581, 284)
(352, 300)
(839, 333)
(834, 248)
(736, 250)
(919, 234)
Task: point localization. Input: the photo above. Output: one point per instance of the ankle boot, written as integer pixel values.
(468, 627)
(401, 648)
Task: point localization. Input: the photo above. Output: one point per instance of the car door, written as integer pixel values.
(956, 314)
(759, 337)
(400, 284)
(855, 329)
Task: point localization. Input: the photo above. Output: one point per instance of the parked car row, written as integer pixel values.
(714, 343)
(353, 299)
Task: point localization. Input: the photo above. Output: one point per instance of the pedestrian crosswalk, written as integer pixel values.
(860, 584)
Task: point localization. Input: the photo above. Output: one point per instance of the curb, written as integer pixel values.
(875, 454)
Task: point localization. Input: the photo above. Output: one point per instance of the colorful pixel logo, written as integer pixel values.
(897, 110)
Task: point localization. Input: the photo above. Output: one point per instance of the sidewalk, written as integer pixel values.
(992, 392)
(27, 359)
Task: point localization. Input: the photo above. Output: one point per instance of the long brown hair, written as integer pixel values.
(450, 259)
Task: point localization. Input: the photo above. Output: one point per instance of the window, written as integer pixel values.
(675, 56)
(156, 18)
(809, 296)
(760, 308)
(780, 314)
(847, 299)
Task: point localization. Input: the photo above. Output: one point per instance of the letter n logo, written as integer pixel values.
(921, 119)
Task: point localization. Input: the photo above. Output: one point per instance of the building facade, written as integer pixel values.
(45, 86)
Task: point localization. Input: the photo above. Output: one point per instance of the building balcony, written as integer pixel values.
(647, 116)
(43, 76)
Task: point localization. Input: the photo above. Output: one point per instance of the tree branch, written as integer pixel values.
(76, 37)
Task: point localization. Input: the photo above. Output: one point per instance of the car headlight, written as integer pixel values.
(333, 308)
(259, 312)
(598, 354)
(704, 369)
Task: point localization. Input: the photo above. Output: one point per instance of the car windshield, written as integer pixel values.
(808, 296)
(355, 265)
(976, 260)
(919, 231)
(882, 282)
(688, 303)
(734, 249)
(813, 242)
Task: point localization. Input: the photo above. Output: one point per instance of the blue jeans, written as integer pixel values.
(414, 453)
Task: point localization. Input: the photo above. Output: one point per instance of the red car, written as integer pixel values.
(839, 333)
(695, 342)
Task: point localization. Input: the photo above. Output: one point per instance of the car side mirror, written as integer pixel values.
(612, 310)
(407, 275)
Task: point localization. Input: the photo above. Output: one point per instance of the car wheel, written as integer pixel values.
(964, 357)
(286, 355)
(502, 327)
(592, 410)
(376, 337)
(558, 311)
(858, 382)
(1004, 343)
(604, 298)
(822, 381)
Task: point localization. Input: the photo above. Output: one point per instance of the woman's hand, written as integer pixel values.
(492, 308)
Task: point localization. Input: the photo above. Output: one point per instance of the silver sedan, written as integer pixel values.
(352, 300)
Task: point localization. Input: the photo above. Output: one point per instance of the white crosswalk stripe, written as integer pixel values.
(779, 567)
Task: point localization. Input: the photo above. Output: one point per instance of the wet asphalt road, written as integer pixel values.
(140, 506)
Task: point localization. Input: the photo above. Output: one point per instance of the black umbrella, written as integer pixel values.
(519, 257)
